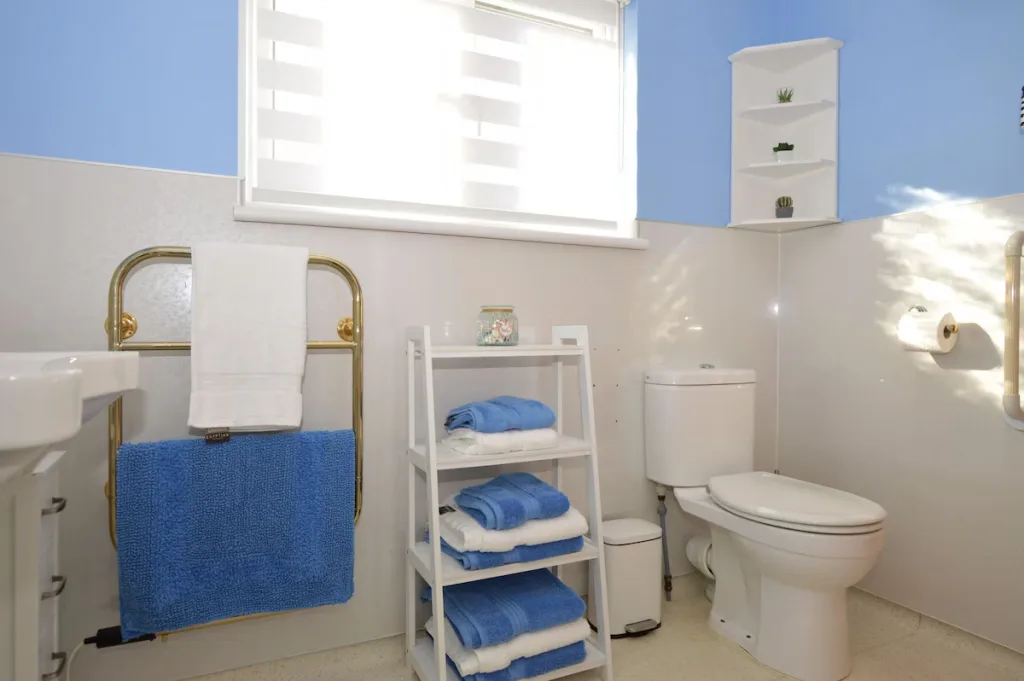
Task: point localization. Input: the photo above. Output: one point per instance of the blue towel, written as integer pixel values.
(496, 610)
(479, 560)
(510, 500)
(500, 414)
(261, 523)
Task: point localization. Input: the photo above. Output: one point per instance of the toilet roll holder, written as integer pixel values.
(947, 330)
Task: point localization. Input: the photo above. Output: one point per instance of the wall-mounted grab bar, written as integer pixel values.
(1011, 347)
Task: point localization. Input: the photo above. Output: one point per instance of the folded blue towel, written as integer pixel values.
(260, 523)
(528, 667)
(500, 414)
(479, 560)
(510, 500)
(496, 610)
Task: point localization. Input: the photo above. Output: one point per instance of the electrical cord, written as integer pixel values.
(71, 659)
(104, 638)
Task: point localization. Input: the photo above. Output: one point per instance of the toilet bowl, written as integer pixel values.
(780, 593)
(783, 551)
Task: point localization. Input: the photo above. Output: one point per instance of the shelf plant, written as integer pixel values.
(783, 151)
(784, 207)
(785, 95)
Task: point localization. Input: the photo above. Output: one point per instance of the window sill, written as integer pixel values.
(276, 213)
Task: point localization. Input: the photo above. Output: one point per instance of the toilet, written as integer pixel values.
(783, 551)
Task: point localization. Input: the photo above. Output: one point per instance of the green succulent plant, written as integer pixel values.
(784, 202)
(785, 95)
(783, 146)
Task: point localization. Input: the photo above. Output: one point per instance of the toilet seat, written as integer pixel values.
(795, 504)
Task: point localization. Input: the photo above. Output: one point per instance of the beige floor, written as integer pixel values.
(889, 644)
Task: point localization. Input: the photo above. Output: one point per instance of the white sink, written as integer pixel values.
(105, 375)
(45, 397)
(38, 405)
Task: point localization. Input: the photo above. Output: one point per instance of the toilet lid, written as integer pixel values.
(778, 500)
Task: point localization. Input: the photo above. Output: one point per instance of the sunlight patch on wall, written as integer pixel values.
(666, 301)
(948, 256)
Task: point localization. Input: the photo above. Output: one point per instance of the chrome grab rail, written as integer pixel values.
(1012, 412)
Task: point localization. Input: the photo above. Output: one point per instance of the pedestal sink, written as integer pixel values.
(45, 397)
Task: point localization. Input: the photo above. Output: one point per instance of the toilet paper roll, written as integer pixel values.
(927, 331)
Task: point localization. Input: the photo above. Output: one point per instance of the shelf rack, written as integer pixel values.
(784, 114)
(428, 457)
(810, 122)
(782, 225)
(783, 169)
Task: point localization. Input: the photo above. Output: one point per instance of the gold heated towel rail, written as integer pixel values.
(121, 326)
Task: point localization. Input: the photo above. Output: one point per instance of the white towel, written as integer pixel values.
(463, 533)
(466, 441)
(495, 658)
(248, 336)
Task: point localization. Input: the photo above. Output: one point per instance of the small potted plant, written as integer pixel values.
(784, 207)
(785, 95)
(783, 151)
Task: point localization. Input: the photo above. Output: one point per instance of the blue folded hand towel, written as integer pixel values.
(500, 414)
(261, 523)
(496, 610)
(479, 560)
(528, 667)
(510, 500)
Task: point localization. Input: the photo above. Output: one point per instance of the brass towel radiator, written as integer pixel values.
(121, 326)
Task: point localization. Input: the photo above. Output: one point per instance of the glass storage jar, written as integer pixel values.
(497, 325)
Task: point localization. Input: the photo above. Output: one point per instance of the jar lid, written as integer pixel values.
(497, 308)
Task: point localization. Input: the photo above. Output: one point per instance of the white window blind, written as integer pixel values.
(504, 113)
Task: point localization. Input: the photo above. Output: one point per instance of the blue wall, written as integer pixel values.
(684, 102)
(929, 91)
(137, 82)
(929, 96)
(147, 83)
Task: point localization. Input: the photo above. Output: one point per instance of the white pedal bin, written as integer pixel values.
(632, 558)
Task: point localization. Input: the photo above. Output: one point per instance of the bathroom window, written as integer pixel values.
(499, 118)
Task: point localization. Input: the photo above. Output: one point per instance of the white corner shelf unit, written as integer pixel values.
(810, 122)
(427, 457)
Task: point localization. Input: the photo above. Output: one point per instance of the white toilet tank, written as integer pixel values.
(698, 423)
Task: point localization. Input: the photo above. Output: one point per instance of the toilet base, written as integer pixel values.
(781, 594)
(807, 638)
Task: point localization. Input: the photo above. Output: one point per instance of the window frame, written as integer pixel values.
(428, 221)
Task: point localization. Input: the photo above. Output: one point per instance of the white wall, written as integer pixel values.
(698, 295)
(921, 435)
(709, 295)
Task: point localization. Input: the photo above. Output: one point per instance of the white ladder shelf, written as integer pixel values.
(569, 344)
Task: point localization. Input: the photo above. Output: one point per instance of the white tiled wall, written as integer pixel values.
(921, 435)
(698, 295)
(709, 296)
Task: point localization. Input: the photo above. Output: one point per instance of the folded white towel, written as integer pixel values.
(248, 336)
(495, 658)
(466, 441)
(463, 533)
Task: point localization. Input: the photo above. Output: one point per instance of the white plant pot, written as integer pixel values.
(783, 155)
